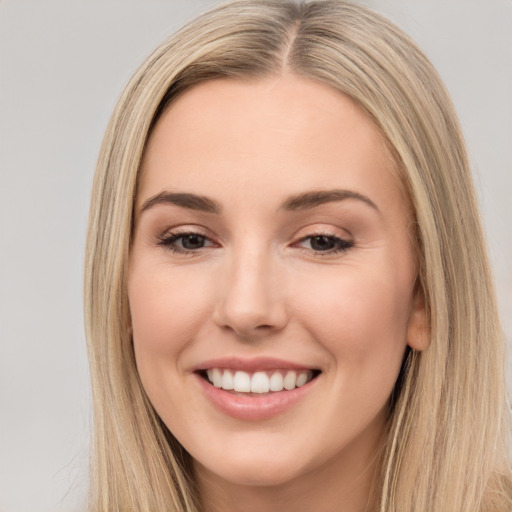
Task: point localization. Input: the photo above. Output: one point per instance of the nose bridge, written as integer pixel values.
(251, 301)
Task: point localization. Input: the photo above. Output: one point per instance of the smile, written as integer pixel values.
(255, 389)
(258, 382)
(255, 394)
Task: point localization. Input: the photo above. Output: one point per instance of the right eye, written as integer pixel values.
(185, 243)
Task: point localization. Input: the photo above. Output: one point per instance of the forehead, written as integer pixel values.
(281, 133)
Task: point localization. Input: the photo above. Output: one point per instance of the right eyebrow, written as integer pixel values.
(185, 200)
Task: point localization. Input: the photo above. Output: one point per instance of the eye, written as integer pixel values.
(326, 244)
(185, 242)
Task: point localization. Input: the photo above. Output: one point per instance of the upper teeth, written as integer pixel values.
(258, 382)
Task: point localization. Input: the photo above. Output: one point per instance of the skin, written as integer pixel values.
(258, 288)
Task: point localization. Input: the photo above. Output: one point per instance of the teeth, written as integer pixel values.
(302, 378)
(215, 376)
(259, 382)
(227, 380)
(242, 382)
(289, 380)
(276, 382)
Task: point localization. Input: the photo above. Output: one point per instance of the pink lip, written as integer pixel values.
(252, 407)
(250, 365)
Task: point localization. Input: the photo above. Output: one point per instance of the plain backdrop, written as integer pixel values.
(63, 64)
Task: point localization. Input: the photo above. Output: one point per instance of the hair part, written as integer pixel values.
(447, 442)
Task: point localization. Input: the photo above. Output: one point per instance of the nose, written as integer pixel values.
(251, 301)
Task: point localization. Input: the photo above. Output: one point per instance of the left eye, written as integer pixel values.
(325, 243)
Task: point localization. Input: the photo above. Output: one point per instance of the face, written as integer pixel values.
(272, 279)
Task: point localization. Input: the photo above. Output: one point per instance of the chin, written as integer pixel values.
(253, 465)
(267, 471)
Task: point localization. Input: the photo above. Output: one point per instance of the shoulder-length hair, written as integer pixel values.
(447, 441)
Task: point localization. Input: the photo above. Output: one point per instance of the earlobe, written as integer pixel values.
(418, 329)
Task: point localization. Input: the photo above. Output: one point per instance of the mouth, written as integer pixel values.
(255, 389)
(260, 382)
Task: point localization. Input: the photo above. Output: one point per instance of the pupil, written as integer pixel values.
(322, 243)
(193, 241)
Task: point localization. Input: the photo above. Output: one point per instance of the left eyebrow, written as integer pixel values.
(309, 200)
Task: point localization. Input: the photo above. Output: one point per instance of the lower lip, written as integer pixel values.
(254, 407)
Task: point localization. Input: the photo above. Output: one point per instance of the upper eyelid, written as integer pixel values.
(186, 230)
(171, 233)
(326, 233)
(341, 234)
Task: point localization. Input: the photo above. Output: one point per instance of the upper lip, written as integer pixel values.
(252, 364)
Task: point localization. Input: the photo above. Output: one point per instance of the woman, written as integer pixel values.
(282, 310)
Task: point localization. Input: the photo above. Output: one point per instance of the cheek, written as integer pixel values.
(361, 318)
(166, 309)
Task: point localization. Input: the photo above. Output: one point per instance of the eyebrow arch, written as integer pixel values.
(185, 200)
(316, 198)
(302, 201)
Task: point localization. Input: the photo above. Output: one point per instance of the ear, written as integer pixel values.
(418, 330)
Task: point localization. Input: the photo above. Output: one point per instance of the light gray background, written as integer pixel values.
(62, 66)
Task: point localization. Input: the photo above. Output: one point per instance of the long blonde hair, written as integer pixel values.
(447, 445)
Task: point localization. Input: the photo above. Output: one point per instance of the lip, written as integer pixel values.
(251, 365)
(252, 407)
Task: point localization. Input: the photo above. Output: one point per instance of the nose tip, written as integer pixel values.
(251, 303)
(249, 321)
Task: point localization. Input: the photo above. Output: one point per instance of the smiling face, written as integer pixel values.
(272, 252)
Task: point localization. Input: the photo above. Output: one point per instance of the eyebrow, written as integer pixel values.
(316, 198)
(302, 201)
(185, 200)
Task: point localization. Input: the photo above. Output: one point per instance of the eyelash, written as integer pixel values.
(167, 241)
(342, 245)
